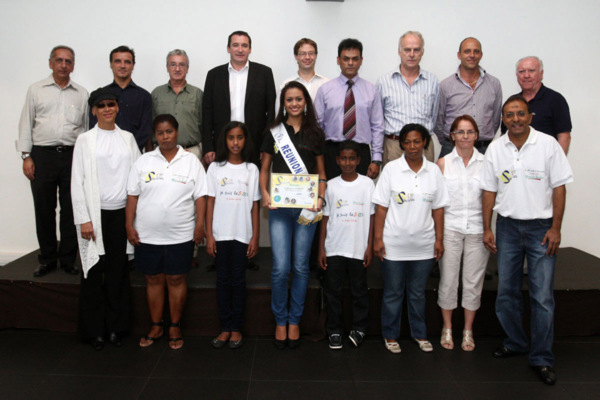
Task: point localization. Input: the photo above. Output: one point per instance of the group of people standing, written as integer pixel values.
(208, 165)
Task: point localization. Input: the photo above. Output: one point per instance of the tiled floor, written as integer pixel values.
(45, 365)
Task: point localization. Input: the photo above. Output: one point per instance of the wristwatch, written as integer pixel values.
(378, 163)
(24, 156)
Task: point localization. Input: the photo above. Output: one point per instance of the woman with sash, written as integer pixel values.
(292, 229)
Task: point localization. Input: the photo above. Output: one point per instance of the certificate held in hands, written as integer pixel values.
(294, 191)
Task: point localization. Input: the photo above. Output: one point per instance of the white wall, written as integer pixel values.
(563, 34)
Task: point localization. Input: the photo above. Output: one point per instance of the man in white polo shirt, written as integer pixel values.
(523, 179)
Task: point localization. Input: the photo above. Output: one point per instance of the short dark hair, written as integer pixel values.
(406, 129)
(347, 44)
(348, 145)
(62, 47)
(304, 41)
(223, 153)
(159, 119)
(458, 120)
(239, 33)
(516, 97)
(122, 49)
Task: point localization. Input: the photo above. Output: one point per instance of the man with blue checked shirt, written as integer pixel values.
(409, 94)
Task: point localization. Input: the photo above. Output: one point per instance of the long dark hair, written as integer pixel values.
(222, 153)
(312, 133)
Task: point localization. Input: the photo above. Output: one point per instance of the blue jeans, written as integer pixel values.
(517, 239)
(291, 243)
(400, 277)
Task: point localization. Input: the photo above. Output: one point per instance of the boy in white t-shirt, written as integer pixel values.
(346, 244)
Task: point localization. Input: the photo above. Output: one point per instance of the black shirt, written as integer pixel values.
(307, 151)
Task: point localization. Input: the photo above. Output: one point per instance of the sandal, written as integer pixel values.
(394, 347)
(149, 339)
(468, 343)
(425, 345)
(177, 342)
(446, 341)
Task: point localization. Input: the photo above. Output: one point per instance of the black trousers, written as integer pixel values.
(104, 297)
(52, 172)
(337, 267)
(332, 169)
(231, 262)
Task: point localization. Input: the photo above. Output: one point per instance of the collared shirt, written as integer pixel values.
(238, 80)
(484, 104)
(52, 116)
(186, 107)
(329, 106)
(135, 111)
(524, 179)
(312, 86)
(463, 214)
(404, 104)
(409, 229)
(550, 112)
(167, 193)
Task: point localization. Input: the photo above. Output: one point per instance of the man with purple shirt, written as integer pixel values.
(349, 107)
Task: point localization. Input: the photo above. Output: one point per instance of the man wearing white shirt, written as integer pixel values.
(305, 53)
(54, 114)
(409, 94)
(240, 90)
(523, 180)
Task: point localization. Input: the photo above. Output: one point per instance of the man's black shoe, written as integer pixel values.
(44, 269)
(505, 352)
(545, 373)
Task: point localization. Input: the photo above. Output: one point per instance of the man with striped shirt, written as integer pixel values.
(409, 94)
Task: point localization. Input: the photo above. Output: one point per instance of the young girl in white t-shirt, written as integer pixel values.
(232, 226)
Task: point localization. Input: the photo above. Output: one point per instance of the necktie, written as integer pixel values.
(349, 113)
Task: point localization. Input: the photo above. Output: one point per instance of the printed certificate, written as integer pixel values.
(294, 191)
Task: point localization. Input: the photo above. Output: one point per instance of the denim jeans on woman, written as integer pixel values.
(291, 243)
(400, 277)
(517, 239)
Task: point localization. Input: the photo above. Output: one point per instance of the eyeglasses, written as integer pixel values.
(102, 105)
(175, 65)
(463, 133)
(304, 54)
(519, 114)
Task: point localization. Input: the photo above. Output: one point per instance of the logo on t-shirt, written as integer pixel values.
(223, 181)
(149, 176)
(402, 198)
(505, 176)
(341, 203)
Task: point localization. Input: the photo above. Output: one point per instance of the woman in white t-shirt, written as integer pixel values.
(463, 231)
(164, 219)
(101, 161)
(232, 226)
(410, 197)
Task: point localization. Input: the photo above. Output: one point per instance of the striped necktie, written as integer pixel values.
(349, 113)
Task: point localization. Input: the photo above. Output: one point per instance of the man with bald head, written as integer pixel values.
(409, 94)
(472, 91)
(549, 108)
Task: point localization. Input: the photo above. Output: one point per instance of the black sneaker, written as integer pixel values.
(335, 341)
(356, 337)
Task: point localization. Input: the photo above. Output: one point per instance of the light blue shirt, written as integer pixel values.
(329, 106)
(405, 104)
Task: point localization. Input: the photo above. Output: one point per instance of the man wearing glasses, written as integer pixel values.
(54, 114)
(409, 94)
(181, 100)
(523, 179)
(305, 53)
(473, 91)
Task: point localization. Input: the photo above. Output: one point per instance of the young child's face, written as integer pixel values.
(235, 141)
(348, 160)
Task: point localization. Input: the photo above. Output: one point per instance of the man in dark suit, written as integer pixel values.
(240, 90)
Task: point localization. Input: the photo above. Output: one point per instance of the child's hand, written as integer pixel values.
(368, 259)
(211, 246)
(132, 236)
(379, 249)
(252, 248)
(198, 234)
(322, 258)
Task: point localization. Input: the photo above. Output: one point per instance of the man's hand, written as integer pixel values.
(373, 171)
(29, 168)
(489, 242)
(552, 237)
(209, 157)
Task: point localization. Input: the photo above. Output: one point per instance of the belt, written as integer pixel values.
(393, 137)
(58, 149)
